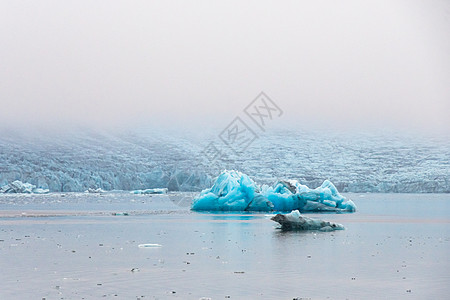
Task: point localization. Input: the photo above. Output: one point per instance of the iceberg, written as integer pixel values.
(150, 191)
(232, 191)
(295, 221)
(287, 195)
(19, 187)
(235, 191)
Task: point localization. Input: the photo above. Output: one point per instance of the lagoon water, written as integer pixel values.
(86, 246)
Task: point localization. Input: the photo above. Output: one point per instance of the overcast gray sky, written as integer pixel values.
(342, 64)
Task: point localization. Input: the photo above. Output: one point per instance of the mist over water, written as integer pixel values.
(92, 90)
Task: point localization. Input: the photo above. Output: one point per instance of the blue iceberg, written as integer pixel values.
(232, 191)
(235, 191)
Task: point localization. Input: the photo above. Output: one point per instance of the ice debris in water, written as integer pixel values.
(149, 245)
(235, 191)
(24, 188)
(295, 221)
(150, 191)
(94, 191)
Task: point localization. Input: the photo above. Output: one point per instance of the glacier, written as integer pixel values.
(235, 191)
(295, 221)
(79, 160)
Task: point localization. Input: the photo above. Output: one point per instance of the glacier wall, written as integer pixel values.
(77, 161)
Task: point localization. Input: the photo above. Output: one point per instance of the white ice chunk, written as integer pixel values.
(94, 191)
(40, 191)
(150, 191)
(149, 245)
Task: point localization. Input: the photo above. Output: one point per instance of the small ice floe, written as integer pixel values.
(150, 191)
(120, 214)
(94, 191)
(149, 245)
(295, 221)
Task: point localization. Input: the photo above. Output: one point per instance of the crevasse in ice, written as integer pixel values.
(235, 191)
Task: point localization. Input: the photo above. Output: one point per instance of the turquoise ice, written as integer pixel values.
(235, 191)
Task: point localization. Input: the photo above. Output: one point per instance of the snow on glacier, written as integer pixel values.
(235, 191)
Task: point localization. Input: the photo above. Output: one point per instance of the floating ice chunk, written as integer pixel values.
(290, 195)
(120, 214)
(24, 188)
(235, 191)
(149, 245)
(232, 191)
(150, 191)
(40, 191)
(295, 221)
(94, 191)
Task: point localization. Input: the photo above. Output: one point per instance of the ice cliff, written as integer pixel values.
(78, 161)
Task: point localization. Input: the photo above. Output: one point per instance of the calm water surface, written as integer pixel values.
(71, 246)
